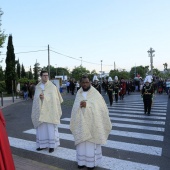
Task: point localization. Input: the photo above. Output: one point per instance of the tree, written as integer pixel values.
(2, 76)
(165, 66)
(62, 71)
(23, 73)
(10, 75)
(57, 71)
(30, 76)
(91, 75)
(18, 69)
(121, 74)
(146, 69)
(2, 35)
(139, 70)
(37, 70)
(77, 72)
(2, 40)
(156, 72)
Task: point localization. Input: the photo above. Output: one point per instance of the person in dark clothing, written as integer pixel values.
(116, 87)
(25, 91)
(147, 94)
(96, 84)
(68, 86)
(128, 86)
(110, 89)
(104, 85)
(72, 87)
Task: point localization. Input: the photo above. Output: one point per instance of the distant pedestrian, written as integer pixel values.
(18, 89)
(25, 91)
(72, 87)
(68, 86)
(147, 94)
(77, 86)
(110, 90)
(46, 113)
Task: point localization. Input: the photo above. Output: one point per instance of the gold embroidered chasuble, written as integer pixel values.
(49, 109)
(91, 123)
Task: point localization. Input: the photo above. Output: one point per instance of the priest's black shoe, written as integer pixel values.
(51, 150)
(40, 149)
(81, 167)
(90, 168)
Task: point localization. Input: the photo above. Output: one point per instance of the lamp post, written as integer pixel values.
(101, 71)
(56, 69)
(81, 61)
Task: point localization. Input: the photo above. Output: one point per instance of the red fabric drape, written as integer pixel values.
(6, 160)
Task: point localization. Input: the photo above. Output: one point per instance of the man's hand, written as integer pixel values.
(41, 96)
(82, 104)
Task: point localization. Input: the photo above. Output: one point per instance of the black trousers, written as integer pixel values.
(147, 104)
(68, 89)
(110, 98)
(116, 95)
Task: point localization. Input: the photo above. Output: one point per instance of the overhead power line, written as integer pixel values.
(28, 52)
(77, 58)
(24, 52)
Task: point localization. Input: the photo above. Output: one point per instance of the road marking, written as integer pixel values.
(138, 121)
(70, 154)
(138, 127)
(151, 150)
(137, 116)
(123, 133)
(136, 112)
(129, 120)
(136, 109)
(137, 135)
(130, 126)
(139, 106)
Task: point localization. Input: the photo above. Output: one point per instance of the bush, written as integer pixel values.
(2, 86)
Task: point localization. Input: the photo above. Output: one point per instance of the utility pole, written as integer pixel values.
(81, 61)
(114, 65)
(56, 69)
(151, 55)
(49, 62)
(101, 71)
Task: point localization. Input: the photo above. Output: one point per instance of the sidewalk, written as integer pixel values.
(20, 162)
(7, 101)
(27, 164)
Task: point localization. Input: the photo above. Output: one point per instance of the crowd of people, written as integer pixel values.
(26, 91)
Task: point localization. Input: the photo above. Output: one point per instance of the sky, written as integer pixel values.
(120, 31)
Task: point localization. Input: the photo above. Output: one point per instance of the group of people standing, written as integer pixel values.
(72, 86)
(89, 135)
(27, 90)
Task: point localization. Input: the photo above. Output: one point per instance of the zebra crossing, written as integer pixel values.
(135, 142)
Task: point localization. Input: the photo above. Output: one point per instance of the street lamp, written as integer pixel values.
(56, 69)
(101, 71)
(81, 61)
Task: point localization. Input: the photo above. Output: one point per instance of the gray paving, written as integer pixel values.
(115, 157)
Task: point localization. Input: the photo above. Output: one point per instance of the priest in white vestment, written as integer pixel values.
(46, 113)
(90, 125)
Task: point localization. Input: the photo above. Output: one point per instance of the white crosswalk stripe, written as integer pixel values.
(129, 123)
(117, 145)
(70, 154)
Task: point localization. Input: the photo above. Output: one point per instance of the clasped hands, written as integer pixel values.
(41, 96)
(83, 104)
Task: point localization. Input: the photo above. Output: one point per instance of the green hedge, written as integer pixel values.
(2, 86)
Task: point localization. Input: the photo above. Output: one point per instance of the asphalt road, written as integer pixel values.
(136, 142)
